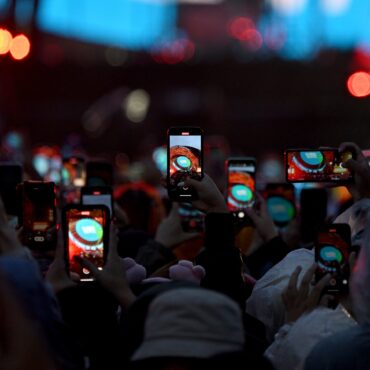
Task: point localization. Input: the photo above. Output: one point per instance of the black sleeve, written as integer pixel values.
(266, 256)
(221, 259)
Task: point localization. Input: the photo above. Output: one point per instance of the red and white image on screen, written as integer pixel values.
(185, 157)
(241, 188)
(324, 165)
(332, 256)
(86, 239)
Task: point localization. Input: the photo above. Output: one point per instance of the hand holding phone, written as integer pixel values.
(86, 230)
(241, 185)
(184, 160)
(317, 165)
(38, 215)
(332, 250)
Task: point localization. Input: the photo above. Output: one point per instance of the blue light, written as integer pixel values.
(130, 24)
(313, 28)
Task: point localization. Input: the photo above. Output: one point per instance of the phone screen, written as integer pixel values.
(73, 172)
(317, 166)
(185, 160)
(86, 238)
(191, 218)
(241, 186)
(332, 248)
(98, 199)
(10, 177)
(39, 213)
(280, 202)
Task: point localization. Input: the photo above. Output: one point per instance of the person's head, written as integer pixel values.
(191, 324)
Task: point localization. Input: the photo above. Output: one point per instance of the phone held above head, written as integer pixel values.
(332, 250)
(86, 235)
(184, 160)
(317, 165)
(241, 185)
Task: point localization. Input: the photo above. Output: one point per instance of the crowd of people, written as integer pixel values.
(173, 299)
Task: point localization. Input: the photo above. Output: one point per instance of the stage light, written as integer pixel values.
(5, 40)
(20, 47)
(136, 105)
(288, 7)
(358, 84)
(335, 7)
(239, 27)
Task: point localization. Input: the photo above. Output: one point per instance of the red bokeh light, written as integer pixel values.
(5, 40)
(239, 27)
(253, 40)
(20, 47)
(359, 84)
(175, 52)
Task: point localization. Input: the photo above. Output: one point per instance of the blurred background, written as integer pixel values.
(109, 77)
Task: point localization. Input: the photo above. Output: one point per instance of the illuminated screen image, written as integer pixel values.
(73, 172)
(280, 203)
(281, 210)
(39, 214)
(317, 166)
(185, 158)
(241, 187)
(332, 256)
(86, 240)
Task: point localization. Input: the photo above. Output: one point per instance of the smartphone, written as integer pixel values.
(86, 230)
(73, 172)
(313, 212)
(280, 202)
(316, 165)
(10, 177)
(99, 173)
(38, 215)
(241, 185)
(98, 195)
(184, 159)
(192, 220)
(332, 250)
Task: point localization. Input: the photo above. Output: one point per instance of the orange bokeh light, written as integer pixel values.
(359, 84)
(20, 47)
(5, 40)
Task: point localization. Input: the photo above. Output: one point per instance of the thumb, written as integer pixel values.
(253, 215)
(352, 165)
(89, 265)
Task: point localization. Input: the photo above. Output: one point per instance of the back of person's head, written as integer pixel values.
(191, 323)
(360, 280)
(142, 204)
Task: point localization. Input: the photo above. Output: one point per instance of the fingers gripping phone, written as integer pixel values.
(38, 214)
(241, 185)
(86, 230)
(184, 160)
(316, 165)
(332, 250)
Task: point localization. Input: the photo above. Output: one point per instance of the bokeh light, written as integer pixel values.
(5, 40)
(20, 47)
(288, 7)
(358, 84)
(239, 27)
(335, 7)
(136, 105)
